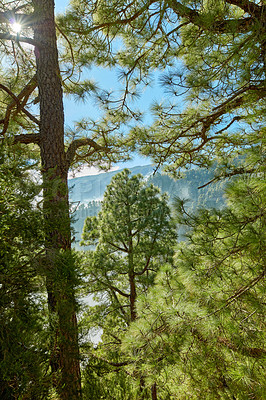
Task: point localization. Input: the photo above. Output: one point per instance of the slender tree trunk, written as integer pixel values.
(142, 388)
(59, 267)
(154, 392)
(133, 297)
(131, 275)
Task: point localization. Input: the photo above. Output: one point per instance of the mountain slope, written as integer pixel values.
(87, 192)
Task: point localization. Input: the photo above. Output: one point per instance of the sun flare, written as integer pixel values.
(16, 27)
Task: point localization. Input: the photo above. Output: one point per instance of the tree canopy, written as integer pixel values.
(211, 55)
(23, 345)
(201, 328)
(210, 59)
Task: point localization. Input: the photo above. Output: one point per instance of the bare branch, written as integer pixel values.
(27, 138)
(19, 102)
(17, 38)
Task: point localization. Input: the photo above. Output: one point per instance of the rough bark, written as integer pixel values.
(131, 275)
(65, 360)
(133, 297)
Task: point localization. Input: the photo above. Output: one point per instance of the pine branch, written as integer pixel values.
(114, 288)
(27, 138)
(254, 352)
(224, 26)
(247, 6)
(238, 294)
(77, 143)
(19, 101)
(120, 306)
(114, 364)
(236, 101)
(121, 21)
(17, 38)
(146, 265)
(231, 104)
(70, 47)
(108, 285)
(237, 171)
(124, 250)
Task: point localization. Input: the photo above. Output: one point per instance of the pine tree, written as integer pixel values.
(32, 75)
(214, 56)
(201, 329)
(211, 55)
(134, 235)
(23, 344)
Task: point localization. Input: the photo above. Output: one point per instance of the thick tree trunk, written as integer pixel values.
(59, 268)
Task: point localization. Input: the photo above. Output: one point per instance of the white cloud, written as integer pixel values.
(85, 171)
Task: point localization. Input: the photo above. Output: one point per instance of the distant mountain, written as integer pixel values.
(87, 192)
(187, 188)
(88, 188)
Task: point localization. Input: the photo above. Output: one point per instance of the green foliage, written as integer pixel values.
(201, 330)
(103, 381)
(135, 235)
(212, 54)
(23, 357)
(212, 58)
(134, 232)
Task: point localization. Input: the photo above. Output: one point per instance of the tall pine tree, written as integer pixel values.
(31, 65)
(135, 235)
(201, 330)
(23, 343)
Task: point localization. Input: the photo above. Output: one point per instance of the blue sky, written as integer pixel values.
(107, 79)
(60, 5)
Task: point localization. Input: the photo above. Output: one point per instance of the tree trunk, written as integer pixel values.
(59, 268)
(132, 297)
(154, 392)
(131, 274)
